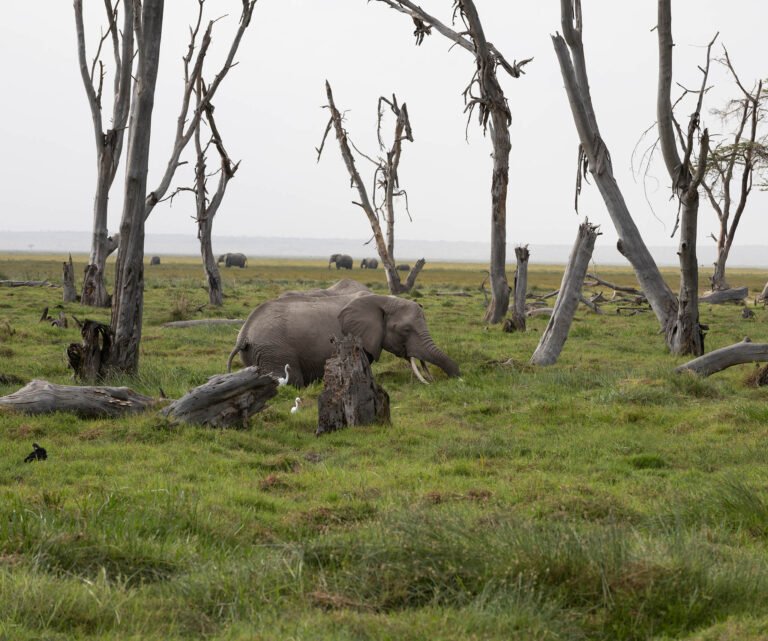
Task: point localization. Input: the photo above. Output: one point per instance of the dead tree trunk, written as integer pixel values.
(720, 359)
(385, 178)
(763, 296)
(492, 105)
(733, 295)
(517, 322)
(226, 400)
(351, 396)
(109, 144)
(42, 397)
(554, 336)
(88, 359)
(595, 157)
(685, 335)
(70, 292)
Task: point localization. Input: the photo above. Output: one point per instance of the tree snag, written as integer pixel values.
(493, 112)
(385, 179)
(517, 322)
(350, 396)
(70, 292)
(554, 336)
(595, 158)
(87, 360)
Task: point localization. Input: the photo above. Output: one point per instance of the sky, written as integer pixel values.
(269, 110)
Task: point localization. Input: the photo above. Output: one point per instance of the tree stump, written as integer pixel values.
(732, 295)
(89, 359)
(517, 321)
(42, 397)
(351, 396)
(226, 400)
(70, 292)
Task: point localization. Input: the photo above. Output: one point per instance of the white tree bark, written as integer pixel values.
(720, 359)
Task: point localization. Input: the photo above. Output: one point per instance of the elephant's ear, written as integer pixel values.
(364, 317)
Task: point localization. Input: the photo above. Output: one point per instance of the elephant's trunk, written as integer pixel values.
(427, 350)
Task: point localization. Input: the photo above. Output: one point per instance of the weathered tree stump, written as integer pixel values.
(351, 396)
(42, 397)
(70, 292)
(763, 297)
(226, 400)
(89, 359)
(554, 336)
(733, 295)
(517, 321)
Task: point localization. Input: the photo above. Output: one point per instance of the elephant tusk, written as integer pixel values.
(427, 373)
(416, 371)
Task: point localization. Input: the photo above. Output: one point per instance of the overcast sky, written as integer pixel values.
(269, 111)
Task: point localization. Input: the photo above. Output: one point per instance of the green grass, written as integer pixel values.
(602, 498)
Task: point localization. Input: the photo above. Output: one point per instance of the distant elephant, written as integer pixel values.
(296, 330)
(369, 263)
(343, 261)
(403, 267)
(233, 260)
(155, 260)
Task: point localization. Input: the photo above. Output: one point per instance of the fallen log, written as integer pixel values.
(203, 321)
(733, 295)
(737, 354)
(463, 294)
(540, 311)
(225, 400)
(595, 281)
(42, 397)
(27, 283)
(350, 396)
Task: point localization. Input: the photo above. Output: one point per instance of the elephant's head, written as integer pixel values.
(395, 325)
(333, 259)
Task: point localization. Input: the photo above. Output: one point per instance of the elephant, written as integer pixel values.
(342, 261)
(155, 260)
(403, 267)
(233, 260)
(369, 263)
(297, 330)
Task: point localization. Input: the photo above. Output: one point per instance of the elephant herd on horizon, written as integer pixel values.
(292, 336)
(344, 261)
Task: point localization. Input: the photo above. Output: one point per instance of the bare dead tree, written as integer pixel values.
(686, 335)
(206, 208)
(595, 158)
(732, 164)
(517, 322)
(128, 300)
(484, 93)
(385, 179)
(109, 143)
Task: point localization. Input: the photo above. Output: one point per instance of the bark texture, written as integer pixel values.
(720, 359)
(553, 339)
(226, 400)
(733, 295)
(42, 397)
(517, 322)
(350, 396)
(89, 358)
(70, 292)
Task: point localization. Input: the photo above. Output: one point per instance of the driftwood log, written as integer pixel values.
(593, 281)
(737, 354)
(42, 397)
(351, 396)
(203, 321)
(226, 400)
(556, 333)
(733, 295)
(70, 292)
(27, 283)
(540, 311)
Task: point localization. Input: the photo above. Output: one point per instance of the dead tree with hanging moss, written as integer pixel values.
(386, 183)
(484, 93)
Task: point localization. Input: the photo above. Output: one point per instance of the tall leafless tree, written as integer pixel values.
(109, 143)
(127, 302)
(686, 336)
(736, 158)
(385, 179)
(595, 158)
(484, 93)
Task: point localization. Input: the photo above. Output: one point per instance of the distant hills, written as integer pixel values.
(433, 250)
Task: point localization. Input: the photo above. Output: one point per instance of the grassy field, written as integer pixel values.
(602, 498)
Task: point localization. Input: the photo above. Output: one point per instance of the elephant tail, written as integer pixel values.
(238, 348)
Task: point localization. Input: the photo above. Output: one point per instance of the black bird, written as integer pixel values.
(37, 454)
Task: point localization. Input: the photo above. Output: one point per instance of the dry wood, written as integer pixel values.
(226, 400)
(591, 304)
(592, 281)
(460, 293)
(68, 278)
(517, 321)
(42, 397)
(203, 321)
(350, 396)
(732, 295)
(556, 333)
(27, 283)
(88, 359)
(763, 297)
(720, 359)
(541, 311)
